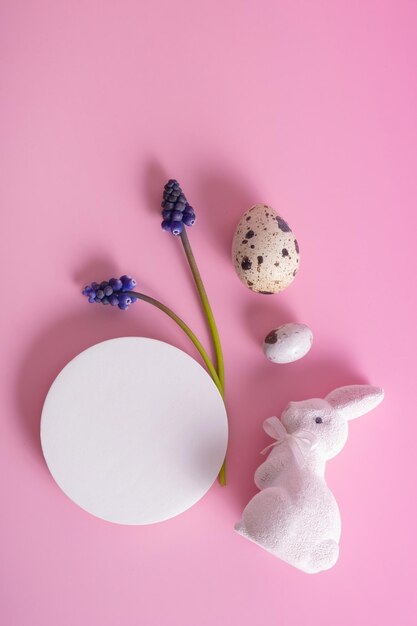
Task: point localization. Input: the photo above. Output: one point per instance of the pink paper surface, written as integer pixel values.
(307, 106)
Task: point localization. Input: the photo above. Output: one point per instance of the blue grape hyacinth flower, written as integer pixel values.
(175, 209)
(112, 292)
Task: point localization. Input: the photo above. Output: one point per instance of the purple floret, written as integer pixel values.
(112, 292)
(176, 211)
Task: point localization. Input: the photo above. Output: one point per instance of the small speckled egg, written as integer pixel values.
(265, 251)
(288, 343)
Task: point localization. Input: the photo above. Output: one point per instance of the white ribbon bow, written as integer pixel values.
(300, 443)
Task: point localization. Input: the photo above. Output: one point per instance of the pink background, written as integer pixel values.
(307, 106)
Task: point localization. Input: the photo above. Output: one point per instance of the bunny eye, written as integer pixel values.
(318, 420)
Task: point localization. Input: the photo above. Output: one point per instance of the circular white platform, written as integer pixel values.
(134, 430)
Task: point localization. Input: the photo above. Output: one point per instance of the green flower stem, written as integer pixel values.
(212, 325)
(206, 305)
(186, 329)
(222, 474)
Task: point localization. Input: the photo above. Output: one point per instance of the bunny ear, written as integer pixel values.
(355, 400)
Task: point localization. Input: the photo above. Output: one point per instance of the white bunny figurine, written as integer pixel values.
(295, 515)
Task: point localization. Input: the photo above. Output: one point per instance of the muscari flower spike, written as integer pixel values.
(175, 209)
(112, 292)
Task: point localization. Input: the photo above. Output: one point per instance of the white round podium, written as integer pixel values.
(134, 430)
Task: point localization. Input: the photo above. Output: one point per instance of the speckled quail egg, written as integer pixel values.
(288, 343)
(265, 251)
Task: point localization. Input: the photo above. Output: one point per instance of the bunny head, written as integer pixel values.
(328, 419)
